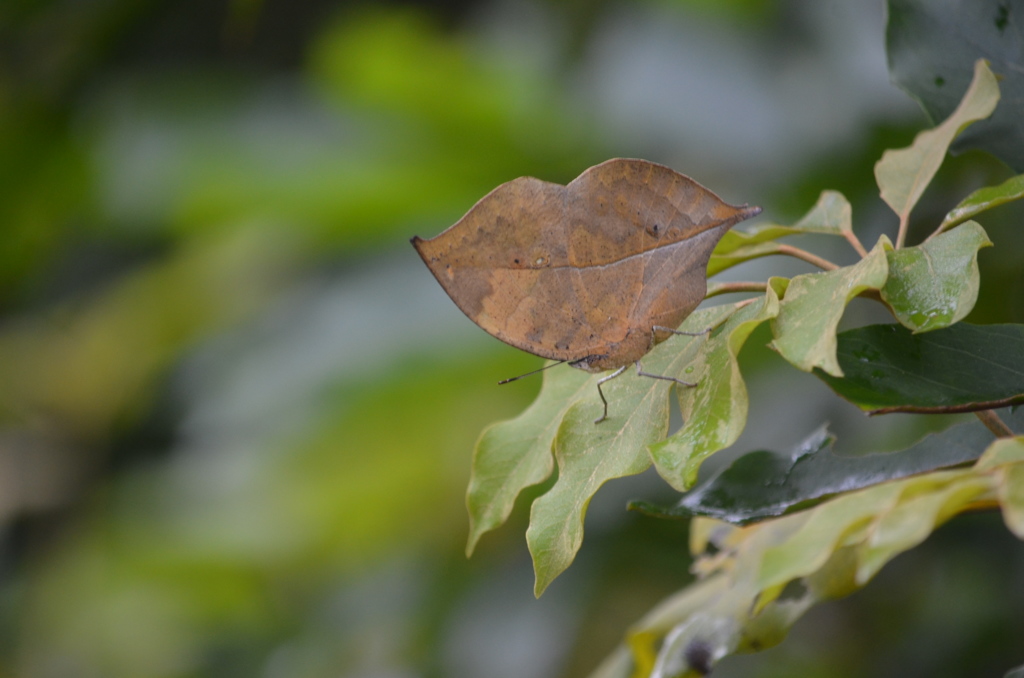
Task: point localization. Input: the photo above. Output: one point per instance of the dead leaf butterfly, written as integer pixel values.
(594, 273)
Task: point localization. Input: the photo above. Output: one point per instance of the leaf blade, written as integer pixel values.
(963, 368)
(983, 199)
(760, 484)
(826, 552)
(903, 174)
(812, 305)
(831, 214)
(715, 411)
(590, 454)
(935, 284)
(523, 445)
(931, 48)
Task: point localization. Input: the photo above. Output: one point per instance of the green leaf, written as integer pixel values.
(936, 283)
(590, 454)
(903, 174)
(832, 214)
(735, 240)
(715, 411)
(759, 579)
(984, 199)
(843, 521)
(926, 502)
(739, 254)
(962, 368)
(513, 455)
(1005, 457)
(812, 305)
(932, 47)
(737, 246)
(1002, 452)
(765, 484)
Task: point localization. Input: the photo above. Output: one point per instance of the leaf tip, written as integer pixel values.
(471, 542)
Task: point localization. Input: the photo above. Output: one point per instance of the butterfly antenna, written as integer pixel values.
(505, 381)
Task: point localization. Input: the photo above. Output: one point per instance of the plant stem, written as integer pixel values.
(902, 235)
(823, 264)
(993, 423)
(857, 244)
(729, 287)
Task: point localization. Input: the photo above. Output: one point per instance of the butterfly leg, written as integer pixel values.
(604, 415)
(640, 371)
(659, 328)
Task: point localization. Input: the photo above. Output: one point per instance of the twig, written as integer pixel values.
(823, 264)
(902, 235)
(729, 287)
(993, 423)
(855, 241)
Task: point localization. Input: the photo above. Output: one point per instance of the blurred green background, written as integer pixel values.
(236, 411)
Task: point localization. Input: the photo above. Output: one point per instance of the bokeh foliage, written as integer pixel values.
(235, 424)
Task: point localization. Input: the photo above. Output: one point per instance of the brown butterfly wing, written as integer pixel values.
(584, 270)
(505, 265)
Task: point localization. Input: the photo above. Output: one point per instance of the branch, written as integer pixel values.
(902, 235)
(993, 423)
(823, 264)
(857, 244)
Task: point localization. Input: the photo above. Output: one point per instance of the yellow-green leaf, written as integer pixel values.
(825, 552)
(715, 411)
(831, 214)
(903, 174)
(590, 454)
(515, 454)
(812, 305)
(740, 253)
(1006, 458)
(984, 199)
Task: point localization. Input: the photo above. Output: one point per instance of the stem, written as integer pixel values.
(823, 264)
(857, 244)
(902, 235)
(729, 287)
(993, 423)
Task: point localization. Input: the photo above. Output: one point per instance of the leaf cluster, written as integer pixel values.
(810, 526)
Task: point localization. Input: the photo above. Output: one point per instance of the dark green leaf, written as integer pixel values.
(762, 484)
(932, 49)
(1015, 673)
(759, 579)
(962, 368)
